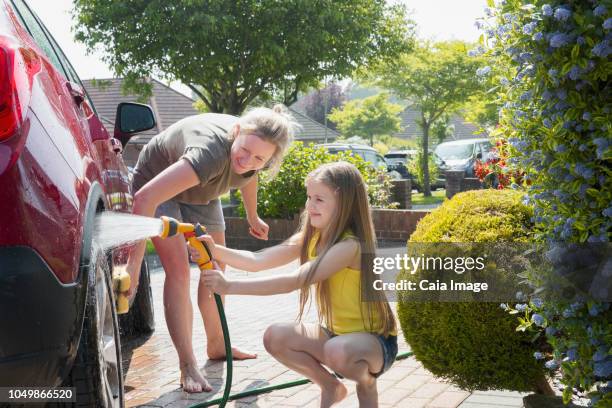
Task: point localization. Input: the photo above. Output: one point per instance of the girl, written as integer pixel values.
(181, 173)
(356, 336)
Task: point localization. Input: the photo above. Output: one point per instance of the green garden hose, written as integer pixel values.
(229, 360)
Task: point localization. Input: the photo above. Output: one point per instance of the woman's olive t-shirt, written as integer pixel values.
(202, 141)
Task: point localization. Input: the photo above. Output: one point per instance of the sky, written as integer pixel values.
(435, 19)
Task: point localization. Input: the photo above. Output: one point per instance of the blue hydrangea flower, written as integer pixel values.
(538, 319)
(603, 369)
(572, 354)
(559, 40)
(562, 14)
(504, 306)
(483, 71)
(561, 148)
(567, 313)
(537, 303)
(521, 307)
(528, 28)
(574, 73)
(607, 212)
(538, 37)
(538, 356)
(601, 354)
(601, 49)
(600, 10)
(607, 24)
(547, 10)
(551, 365)
(551, 331)
(593, 310)
(580, 40)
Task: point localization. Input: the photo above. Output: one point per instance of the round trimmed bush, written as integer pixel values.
(475, 345)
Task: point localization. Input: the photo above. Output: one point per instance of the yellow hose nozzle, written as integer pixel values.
(171, 227)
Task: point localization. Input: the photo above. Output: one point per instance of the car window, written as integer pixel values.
(380, 161)
(370, 157)
(38, 34)
(71, 73)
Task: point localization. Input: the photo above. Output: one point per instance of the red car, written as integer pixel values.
(58, 168)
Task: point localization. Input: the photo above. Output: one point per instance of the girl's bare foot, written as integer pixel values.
(333, 395)
(237, 354)
(192, 380)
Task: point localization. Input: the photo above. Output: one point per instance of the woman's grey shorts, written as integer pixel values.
(209, 215)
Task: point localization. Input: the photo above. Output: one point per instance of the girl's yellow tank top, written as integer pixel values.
(345, 296)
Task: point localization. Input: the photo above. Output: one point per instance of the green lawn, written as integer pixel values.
(436, 197)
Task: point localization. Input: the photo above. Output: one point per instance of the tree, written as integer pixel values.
(438, 78)
(368, 117)
(320, 103)
(231, 52)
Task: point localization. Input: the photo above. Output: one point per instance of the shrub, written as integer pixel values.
(553, 59)
(285, 195)
(475, 345)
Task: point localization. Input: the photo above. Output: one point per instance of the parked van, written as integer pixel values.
(462, 154)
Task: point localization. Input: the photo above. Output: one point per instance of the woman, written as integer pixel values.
(181, 173)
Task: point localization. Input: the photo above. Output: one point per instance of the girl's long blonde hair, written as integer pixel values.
(352, 214)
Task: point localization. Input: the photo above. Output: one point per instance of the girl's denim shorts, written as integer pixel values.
(389, 349)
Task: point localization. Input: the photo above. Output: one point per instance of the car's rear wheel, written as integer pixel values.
(140, 320)
(96, 373)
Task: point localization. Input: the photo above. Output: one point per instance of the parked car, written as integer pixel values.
(366, 152)
(462, 154)
(399, 161)
(58, 168)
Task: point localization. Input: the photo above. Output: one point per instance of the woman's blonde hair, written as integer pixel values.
(352, 214)
(274, 125)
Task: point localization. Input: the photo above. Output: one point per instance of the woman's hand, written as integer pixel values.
(215, 281)
(258, 228)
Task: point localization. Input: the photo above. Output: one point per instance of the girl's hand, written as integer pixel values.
(194, 255)
(258, 228)
(215, 281)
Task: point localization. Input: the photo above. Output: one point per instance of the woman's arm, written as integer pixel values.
(268, 258)
(175, 179)
(338, 257)
(258, 228)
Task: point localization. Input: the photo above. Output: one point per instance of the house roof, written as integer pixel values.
(411, 130)
(311, 129)
(170, 106)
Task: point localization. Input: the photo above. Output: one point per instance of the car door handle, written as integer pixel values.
(76, 91)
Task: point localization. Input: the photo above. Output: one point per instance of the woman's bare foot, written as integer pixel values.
(333, 395)
(193, 381)
(237, 354)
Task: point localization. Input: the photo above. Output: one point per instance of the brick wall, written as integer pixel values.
(457, 182)
(391, 226)
(401, 192)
